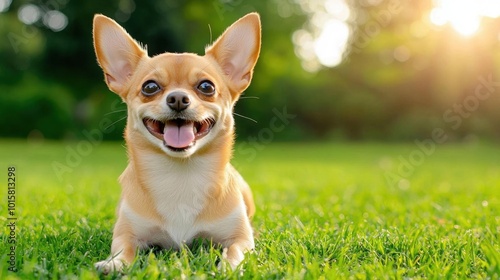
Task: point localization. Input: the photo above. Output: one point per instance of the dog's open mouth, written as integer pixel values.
(179, 134)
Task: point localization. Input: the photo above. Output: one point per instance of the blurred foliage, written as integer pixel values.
(52, 87)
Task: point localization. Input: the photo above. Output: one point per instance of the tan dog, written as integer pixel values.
(179, 184)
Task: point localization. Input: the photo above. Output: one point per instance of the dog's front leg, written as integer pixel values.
(123, 248)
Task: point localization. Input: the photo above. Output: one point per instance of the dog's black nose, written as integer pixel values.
(178, 101)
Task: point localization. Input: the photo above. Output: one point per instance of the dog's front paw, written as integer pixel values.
(110, 265)
(232, 260)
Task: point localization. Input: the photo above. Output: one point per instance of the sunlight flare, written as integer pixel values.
(464, 16)
(324, 39)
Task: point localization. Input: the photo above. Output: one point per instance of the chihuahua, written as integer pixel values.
(179, 183)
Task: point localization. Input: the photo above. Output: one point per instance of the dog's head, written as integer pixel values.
(179, 103)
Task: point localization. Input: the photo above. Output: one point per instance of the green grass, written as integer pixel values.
(324, 211)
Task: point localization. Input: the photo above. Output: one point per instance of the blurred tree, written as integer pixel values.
(400, 76)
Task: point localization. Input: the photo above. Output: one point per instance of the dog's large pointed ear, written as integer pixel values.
(237, 50)
(117, 53)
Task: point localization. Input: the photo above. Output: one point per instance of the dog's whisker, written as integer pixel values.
(208, 64)
(115, 122)
(210, 30)
(245, 117)
(117, 111)
(249, 97)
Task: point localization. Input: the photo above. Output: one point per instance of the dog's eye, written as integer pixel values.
(207, 88)
(150, 88)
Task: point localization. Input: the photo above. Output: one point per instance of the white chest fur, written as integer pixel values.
(179, 192)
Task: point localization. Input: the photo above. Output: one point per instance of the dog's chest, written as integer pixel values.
(179, 213)
(168, 234)
(179, 196)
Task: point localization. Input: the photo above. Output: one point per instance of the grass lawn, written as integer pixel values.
(324, 211)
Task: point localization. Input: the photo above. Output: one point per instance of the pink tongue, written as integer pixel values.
(178, 136)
